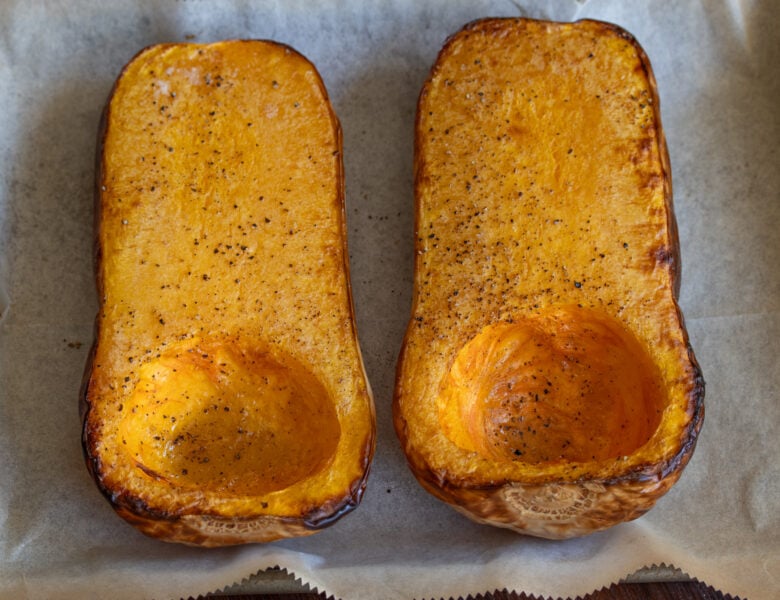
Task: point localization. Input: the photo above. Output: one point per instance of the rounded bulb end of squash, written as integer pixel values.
(229, 420)
(565, 384)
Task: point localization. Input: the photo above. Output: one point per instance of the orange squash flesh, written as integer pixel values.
(566, 385)
(546, 382)
(225, 400)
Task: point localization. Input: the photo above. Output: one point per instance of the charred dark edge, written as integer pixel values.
(170, 526)
(132, 508)
(325, 517)
(438, 484)
(149, 519)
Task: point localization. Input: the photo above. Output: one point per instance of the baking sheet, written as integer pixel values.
(716, 65)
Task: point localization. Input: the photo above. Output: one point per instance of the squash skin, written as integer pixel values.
(560, 500)
(179, 511)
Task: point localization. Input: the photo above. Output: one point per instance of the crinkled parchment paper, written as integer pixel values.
(716, 65)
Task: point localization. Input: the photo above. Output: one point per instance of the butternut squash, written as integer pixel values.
(546, 381)
(225, 399)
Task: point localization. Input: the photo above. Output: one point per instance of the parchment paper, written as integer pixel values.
(716, 65)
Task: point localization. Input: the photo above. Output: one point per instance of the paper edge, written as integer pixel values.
(680, 575)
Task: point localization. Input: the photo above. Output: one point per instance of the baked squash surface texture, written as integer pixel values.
(546, 382)
(225, 399)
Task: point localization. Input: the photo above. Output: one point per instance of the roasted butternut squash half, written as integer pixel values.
(225, 399)
(546, 381)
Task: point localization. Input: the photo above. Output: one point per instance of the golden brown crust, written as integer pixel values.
(562, 500)
(211, 531)
(167, 504)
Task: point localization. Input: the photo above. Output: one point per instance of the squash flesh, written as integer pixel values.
(542, 188)
(214, 420)
(225, 298)
(568, 386)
